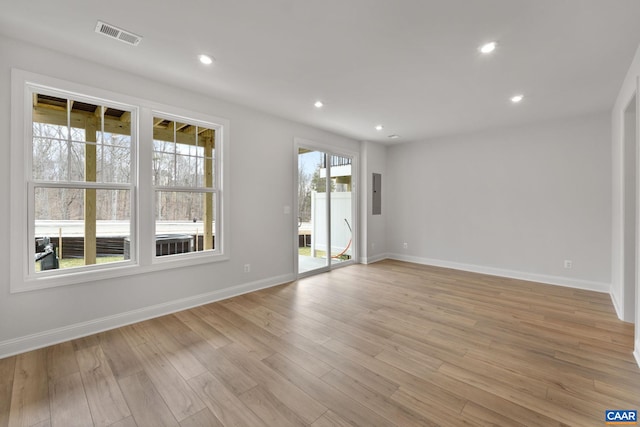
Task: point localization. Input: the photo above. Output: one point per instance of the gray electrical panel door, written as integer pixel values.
(376, 205)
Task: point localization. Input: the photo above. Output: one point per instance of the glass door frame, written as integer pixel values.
(328, 150)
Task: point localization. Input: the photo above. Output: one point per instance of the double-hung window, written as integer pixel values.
(184, 181)
(80, 185)
(105, 185)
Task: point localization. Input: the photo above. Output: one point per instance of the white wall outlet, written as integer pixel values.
(373, 245)
(405, 245)
(568, 263)
(287, 210)
(247, 268)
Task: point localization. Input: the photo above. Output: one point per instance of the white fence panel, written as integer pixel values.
(340, 232)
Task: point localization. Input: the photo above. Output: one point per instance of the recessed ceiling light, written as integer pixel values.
(379, 127)
(517, 98)
(318, 104)
(394, 136)
(488, 47)
(205, 59)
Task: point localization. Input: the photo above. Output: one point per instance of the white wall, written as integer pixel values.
(630, 216)
(373, 242)
(625, 95)
(514, 202)
(627, 92)
(260, 186)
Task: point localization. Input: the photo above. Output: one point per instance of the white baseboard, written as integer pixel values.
(66, 333)
(372, 259)
(616, 305)
(532, 277)
(636, 352)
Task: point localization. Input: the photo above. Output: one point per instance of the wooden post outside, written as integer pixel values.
(91, 129)
(60, 243)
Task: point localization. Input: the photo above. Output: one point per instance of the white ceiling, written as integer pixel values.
(411, 65)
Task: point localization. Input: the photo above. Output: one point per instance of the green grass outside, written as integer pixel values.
(79, 262)
(307, 252)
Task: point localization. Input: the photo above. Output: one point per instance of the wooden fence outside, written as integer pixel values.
(73, 247)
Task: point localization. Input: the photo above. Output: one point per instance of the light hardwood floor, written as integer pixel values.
(387, 344)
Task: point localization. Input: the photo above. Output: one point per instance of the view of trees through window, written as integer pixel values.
(82, 177)
(56, 158)
(184, 179)
(108, 185)
(310, 179)
(82, 173)
(83, 181)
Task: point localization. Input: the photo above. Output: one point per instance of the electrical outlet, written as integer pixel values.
(373, 245)
(405, 245)
(568, 263)
(247, 268)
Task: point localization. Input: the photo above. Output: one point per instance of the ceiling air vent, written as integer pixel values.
(117, 33)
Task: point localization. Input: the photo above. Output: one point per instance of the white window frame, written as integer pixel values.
(32, 183)
(214, 190)
(143, 260)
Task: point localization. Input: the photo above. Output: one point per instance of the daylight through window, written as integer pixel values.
(106, 185)
(185, 187)
(81, 184)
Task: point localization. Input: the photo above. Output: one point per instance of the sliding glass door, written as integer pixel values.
(325, 210)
